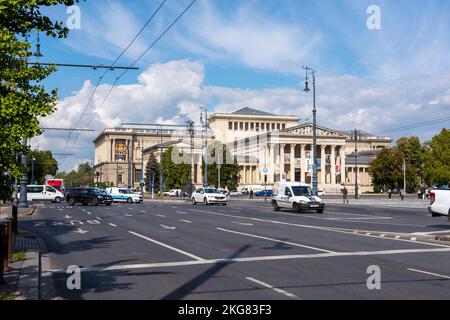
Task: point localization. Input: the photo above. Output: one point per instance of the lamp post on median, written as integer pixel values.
(23, 201)
(312, 72)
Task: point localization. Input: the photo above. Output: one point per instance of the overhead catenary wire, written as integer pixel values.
(415, 125)
(106, 71)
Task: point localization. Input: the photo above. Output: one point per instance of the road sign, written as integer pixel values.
(264, 170)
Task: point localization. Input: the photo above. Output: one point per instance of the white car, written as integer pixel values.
(44, 193)
(297, 197)
(440, 203)
(123, 195)
(235, 193)
(173, 193)
(208, 196)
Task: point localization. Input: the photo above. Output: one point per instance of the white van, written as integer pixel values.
(255, 188)
(44, 193)
(123, 195)
(297, 197)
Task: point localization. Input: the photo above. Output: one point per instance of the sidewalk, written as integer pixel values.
(383, 202)
(22, 280)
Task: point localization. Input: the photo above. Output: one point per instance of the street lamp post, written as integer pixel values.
(23, 202)
(312, 72)
(32, 170)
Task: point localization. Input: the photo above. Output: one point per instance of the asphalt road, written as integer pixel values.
(243, 251)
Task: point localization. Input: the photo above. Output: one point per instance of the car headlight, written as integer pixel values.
(100, 198)
(303, 202)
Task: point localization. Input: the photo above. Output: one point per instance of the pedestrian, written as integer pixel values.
(390, 194)
(401, 194)
(345, 195)
(251, 194)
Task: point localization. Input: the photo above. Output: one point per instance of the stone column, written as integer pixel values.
(282, 164)
(302, 164)
(271, 165)
(293, 162)
(343, 170)
(322, 165)
(333, 165)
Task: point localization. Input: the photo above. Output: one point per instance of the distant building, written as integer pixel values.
(261, 142)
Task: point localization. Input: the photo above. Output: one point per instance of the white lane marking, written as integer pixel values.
(429, 233)
(429, 273)
(68, 217)
(413, 239)
(187, 221)
(330, 229)
(181, 212)
(88, 213)
(160, 215)
(242, 223)
(373, 218)
(167, 246)
(142, 211)
(275, 240)
(98, 218)
(112, 225)
(130, 209)
(200, 261)
(128, 215)
(278, 290)
(167, 227)
(60, 209)
(81, 231)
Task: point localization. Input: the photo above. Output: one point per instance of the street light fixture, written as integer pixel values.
(312, 72)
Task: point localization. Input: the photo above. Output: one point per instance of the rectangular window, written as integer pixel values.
(246, 126)
(235, 126)
(230, 125)
(273, 126)
(257, 126)
(278, 126)
(138, 175)
(263, 126)
(252, 126)
(120, 178)
(241, 126)
(284, 126)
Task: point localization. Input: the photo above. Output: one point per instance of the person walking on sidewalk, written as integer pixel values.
(251, 194)
(345, 195)
(390, 194)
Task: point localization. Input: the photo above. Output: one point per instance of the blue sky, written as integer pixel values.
(232, 54)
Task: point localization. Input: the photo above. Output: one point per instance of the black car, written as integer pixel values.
(88, 196)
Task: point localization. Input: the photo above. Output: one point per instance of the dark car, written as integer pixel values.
(262, 193)
(87, 196)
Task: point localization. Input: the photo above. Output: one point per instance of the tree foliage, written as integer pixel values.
(23, 99)
(175, 175)
(44, 164)
(83, 176)
(229, 172)
(152, 170)
(436, 168)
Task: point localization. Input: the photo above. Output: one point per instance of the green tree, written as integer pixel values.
(84, 176)
(387, 169)
(175, 175)
(229, 172)
(23, 100)
(152, 169)
(436, 166)
(44, 164)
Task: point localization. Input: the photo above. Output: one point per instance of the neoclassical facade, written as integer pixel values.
(264, 144)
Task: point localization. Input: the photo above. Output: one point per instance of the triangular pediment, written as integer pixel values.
(307, 130)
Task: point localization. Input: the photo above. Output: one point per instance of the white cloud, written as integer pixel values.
(173, 91)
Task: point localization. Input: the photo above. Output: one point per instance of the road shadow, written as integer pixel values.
(191, 285)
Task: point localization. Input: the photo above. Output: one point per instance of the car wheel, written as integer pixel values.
(129, 200)
(85, 204)
(205, 202)
(320, 211)
(296, 208)
(275, 206)
(108, 204)
(71, 202)
(193, 201)
(58, 200)
(224, 204)
(95, 202)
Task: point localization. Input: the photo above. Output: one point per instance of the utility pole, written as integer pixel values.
(356, 137)
(404, 176)
(142, 183)
(204, 113)
(218, 179)
(314, 147)
(190, 127)
(161, 184)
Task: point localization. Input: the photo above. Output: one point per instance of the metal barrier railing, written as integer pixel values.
(8, 227)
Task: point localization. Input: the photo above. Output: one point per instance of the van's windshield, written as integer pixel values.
(302, 191)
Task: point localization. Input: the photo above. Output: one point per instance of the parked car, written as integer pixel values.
(123, 195)
(173, 193)
(87, 196)
(440, 203)
(235, 193)
(208, 196)
(264, 193)
(297, 197)
(44, 193)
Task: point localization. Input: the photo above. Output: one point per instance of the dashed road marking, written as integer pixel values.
(187, 221)
(112, 225)
(181, 212)
(161, 215)
(243, 223)
(277, 290)
(429, 273)
(167, 246)
(167, 227)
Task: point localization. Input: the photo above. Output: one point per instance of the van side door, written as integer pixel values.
(285, 198)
